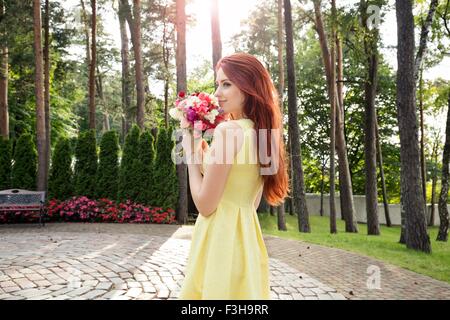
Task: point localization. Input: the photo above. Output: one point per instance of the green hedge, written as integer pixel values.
(5, 164)
(129, 175)
(24, 169)
(147, 152)
(108, 167)
(86, 164)
(165, 175)
(60, 183)
(146, 173)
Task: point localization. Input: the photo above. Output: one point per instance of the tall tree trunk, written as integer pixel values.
(215, 35)
(333, 99)
(137, 45)
(263, 205)
(280, 209)
(272, 211)
(92, 65)
(47, 89)
(434, 182)
(281, 218)
(383, 183)
(291, 174)
(443, 198)
(340, 116)
(346, 190)
(418, 70)
(422, 141)
(299, 198)
(416, 229)
(4, 114)
(370, 150)
(134, 21)
(86, 33)
(322, 186)
(101, 96)
(348, 211)
(39, 93)
(126, 82)
(182, 212)
(330, 66)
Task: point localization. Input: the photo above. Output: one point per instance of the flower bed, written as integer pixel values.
(83, 209)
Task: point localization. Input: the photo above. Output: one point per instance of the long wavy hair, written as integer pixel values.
(262, 107)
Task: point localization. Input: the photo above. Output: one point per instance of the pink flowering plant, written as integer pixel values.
(83, 209)
(198, 112)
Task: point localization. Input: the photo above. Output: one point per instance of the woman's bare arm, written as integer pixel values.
(207, 190)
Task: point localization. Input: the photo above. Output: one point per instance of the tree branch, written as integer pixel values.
(424, 38)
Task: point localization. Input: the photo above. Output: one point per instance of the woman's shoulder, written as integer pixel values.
(225, 134)
(238, 124)
(230, 127)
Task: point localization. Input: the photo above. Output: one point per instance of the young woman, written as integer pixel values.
(228, 258)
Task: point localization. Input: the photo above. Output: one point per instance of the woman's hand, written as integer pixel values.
(191, 146)
(205, 146)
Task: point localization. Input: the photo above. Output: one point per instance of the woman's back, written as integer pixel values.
(244, 180)
(228, 258)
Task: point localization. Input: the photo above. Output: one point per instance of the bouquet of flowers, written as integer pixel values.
(198, 112)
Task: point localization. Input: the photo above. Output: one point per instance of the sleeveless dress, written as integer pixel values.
(228, 258)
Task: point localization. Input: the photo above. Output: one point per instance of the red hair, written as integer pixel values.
(262, 107)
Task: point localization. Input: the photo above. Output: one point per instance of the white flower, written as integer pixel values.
(211, 116)
(176, 113)
(194, 100)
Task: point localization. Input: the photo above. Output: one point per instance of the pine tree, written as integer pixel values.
(108, 168)
(86, 164)
(129, 179)
(60, 183)
(147, 161)
(24, 169)
(165, 178)
(5, 164)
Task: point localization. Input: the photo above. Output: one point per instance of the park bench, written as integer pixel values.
(17, 200)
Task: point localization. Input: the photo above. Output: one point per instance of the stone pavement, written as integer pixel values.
(354, 275)
(130, 261)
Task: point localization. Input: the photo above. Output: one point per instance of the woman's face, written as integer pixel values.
(230, 97)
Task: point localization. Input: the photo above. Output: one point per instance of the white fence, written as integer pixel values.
(313, 204)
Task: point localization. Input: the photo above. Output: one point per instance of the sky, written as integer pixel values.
(231, 14)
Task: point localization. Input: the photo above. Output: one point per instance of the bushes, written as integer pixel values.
(5, 164)
(147, 193)
(83, 209)
(25, 163)
(146, 175)
(108, 167)
(129, 175)
(165, 176)
(86, 164)
(60, 182)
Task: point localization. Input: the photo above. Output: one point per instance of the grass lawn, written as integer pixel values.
(384, 247)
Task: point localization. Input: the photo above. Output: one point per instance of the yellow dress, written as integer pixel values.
(228, 258)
